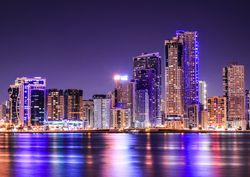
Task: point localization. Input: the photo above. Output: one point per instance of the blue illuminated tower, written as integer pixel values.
(147, 74)
(191, 75)
(27, 99)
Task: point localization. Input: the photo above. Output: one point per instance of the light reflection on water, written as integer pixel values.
(118, 155)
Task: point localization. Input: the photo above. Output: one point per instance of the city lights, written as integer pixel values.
(121, 77)
(136, 103)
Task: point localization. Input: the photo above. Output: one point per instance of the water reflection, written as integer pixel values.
(123, 155)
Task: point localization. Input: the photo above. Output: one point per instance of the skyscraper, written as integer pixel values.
(142, 109)
(122, 110)
(174, 78)
(247, 95)
(191, 74)
(217, 112)
(147, 73)
(234, 91)
(73, 104)
(182, 78)
(55, 104)
(27, 101)
(88, 113)
(3, 111)
(145, 91)
(102, 115)
(14, 105)
(203, 95)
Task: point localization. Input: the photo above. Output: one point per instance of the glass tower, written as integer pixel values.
(147, 74)
(27, 98)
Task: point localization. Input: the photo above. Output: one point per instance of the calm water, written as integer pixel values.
(118, 155)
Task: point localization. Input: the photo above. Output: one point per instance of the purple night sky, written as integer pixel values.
(81, 44)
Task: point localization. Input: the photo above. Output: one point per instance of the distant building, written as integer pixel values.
(204, 119)
(247, 95)
(120, 117)
(142, 109)
(102, 111)
(14, 105)
(88, 113)
(73, 104)
(145, 91)
(3, 112)
(193, 112)
(203, 95)
(147, 71)
(216, 107)
(27, 99)
(234, 91)
(55, 104)
(202, 99)
(123, 102)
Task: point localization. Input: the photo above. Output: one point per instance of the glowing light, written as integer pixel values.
(124, 78)
(119, 77)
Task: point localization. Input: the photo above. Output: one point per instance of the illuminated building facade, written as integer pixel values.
(203, 95)
(174, 77)
(145, 89)
(247, 95)
(192, 113)
(123, 107)
(191, 72)
(55, 104)
(3, 112)
(217, 112)
(88, 113)
(142, 109)
(147, 73)
(14, 104)
(102, 114)
(234, 91)
(120, 118)
(204, 119)
(73, 104)
(27, 98)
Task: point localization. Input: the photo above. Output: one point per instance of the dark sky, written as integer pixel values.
(81, 44)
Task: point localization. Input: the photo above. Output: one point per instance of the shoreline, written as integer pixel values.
(133, 131)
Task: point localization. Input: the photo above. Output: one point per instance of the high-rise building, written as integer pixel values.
(123, 102)
(14, 104)
(3, 111)
(191, 73)
(234, 91)
(145, 87)
(73, 104)
(203, 95)
(120, 118)
(147, 73)
(204, 119)
(174, 78)
(102, 108)
(55, 104)
(27, 99)
(247, 99)
(142, 109)
(88, 113)
(217, 114)
(192, 114)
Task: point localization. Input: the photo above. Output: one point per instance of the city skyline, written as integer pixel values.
(31, 40)
(124, 88)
